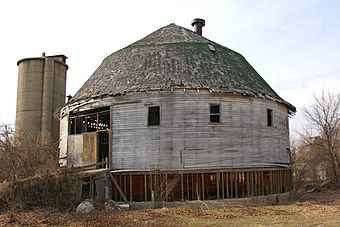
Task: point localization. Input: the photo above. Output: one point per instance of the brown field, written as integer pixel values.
(313, 209)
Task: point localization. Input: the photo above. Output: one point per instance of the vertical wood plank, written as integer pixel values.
(218, 184)
(145, 188)
(270, 182)
(203, 194)
(227, 184)
(131, 190)
(182, 188)
(222, 184)
(231, 185)
(248, 186)
(188, 187)
(166, 187)
(236, 184)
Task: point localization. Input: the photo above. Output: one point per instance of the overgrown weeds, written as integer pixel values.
(31, 175)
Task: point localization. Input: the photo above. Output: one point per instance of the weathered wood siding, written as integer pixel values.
(187, 139)
(89, 148)
(63, 141)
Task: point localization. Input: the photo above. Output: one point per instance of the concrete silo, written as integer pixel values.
(40, 95)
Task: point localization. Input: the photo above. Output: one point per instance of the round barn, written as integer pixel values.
(175, 116)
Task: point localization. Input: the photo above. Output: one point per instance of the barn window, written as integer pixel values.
(89, 121)
(80, 124)
(103, 120)
(269, 117)
(154, 115)
(214, 113)
(72, 125)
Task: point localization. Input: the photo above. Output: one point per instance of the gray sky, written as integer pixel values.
(293, 45)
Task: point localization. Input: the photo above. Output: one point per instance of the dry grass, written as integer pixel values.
(317, 209)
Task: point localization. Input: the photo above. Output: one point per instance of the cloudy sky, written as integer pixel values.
(293, 44)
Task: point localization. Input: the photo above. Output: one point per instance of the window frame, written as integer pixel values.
(270, 118)
(75, 118)
(211, 114)
(149, 116)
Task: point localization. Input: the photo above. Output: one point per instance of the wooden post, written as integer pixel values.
(166, 187)
(116, 191)
(192, 187)
(218, 185)
(270, 182)
(145, 188)
(243, 183)
(227, 184)
(124, 178)
(131, 199)
(203, 196)
(182, 188)
(256, 183)
(236, 184)
(231, 185)
(188, 188)
(222, 176)
(197, 187)
(285, 180)
(262, 183)
(248, 188)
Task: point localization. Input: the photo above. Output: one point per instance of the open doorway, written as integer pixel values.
(103, 147)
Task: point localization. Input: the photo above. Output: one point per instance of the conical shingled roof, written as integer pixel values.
(174, 56)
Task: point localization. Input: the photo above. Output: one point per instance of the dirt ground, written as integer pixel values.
(313, 209)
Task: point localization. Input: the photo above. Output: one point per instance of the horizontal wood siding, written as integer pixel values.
(186, 138)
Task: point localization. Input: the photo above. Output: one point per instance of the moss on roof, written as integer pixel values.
(174, 56)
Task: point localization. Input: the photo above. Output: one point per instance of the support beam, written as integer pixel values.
(182, 188)
(236, 184)
(222, 177)
(203, 196)
(248, 186)
(187, 186)
(145, 188)
(227, 183)
(117, 187)
(131, 191)
(166, 187)
(231, 185)
(218, 185)
(270, 182)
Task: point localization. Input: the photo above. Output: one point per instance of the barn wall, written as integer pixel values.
(186, 138)
(63, 141)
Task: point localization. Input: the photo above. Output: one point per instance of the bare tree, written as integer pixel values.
(24, 156)
(323, 135)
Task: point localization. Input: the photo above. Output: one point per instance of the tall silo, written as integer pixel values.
(40, 95)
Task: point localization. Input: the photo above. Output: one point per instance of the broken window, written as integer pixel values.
(214, 113)
(72, 127)
(269, 117)
(80, 124)
(89, 121)
(103, 121)
(154, 115)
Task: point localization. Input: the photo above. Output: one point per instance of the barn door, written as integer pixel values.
(103, 147)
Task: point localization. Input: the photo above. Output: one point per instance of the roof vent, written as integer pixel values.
(211, 48)
(198, 24)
